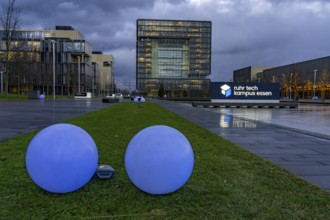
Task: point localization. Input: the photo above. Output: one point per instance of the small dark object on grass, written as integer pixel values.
(104, 172)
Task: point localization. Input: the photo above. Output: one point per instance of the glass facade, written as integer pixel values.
(30, 63)
(174, 55)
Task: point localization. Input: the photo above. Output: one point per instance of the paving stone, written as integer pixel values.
(284, 140)
(23, 116)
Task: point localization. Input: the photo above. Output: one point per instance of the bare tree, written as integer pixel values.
(285, 85)
(308, 84)
(295, 85)
(10, 22)
(274, 79)
(323, 83)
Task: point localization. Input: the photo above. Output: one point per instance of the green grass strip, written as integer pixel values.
(227, 182)
(13, 96)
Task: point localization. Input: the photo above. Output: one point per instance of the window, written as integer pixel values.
(106, 63)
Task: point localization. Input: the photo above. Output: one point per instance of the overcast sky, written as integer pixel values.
(244, 32)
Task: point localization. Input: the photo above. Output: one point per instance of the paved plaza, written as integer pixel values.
(23, 116)
(297, 140)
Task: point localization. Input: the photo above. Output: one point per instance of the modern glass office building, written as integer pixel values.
(29, 65)
(173, 56)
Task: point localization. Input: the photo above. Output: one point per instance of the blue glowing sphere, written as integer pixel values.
(42, 96)
(61, 158)
(159, 160)
(137, 99)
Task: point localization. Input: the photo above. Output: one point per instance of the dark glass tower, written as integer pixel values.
(173, 56)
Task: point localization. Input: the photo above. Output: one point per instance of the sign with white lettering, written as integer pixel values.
(245, 92)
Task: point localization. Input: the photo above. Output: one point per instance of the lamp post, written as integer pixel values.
(1, 81)
(290, 84)
(314, 83)
(78, 74)
(53, 44)
(112, 79)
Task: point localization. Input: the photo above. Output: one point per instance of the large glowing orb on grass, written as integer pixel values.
(61, 158)
(159, 159)
(42, 96)
(139, 99)
(136, 99)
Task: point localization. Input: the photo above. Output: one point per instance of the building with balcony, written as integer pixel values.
(173, 56)
(27, 61)
(106, 72)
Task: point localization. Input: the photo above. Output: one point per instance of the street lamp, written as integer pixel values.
(112, 78)
(1, 81)
(53, 44)
(290, 84)
(314, 82)
(78, 74)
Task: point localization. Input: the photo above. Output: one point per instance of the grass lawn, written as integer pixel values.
(15, 96)
(12, 96)
(227, 182)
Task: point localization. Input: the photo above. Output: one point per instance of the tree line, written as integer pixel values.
(295, 86)
(10, 19)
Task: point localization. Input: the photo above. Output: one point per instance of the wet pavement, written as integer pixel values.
(22, 116)
(297, 140)
(310, 119)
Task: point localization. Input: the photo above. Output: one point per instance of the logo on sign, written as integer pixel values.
(226, 90)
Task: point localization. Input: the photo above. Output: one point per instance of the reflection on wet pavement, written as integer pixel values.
(309, 118)
(227, 121)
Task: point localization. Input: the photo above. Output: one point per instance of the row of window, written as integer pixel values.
(173, 29)
(185, 73)
(192, 44)
(31, 35)
(141, 50)
(149, 49)
(174, 34)
(69, 47)
(178, 23)
(202, 59)
(36, 46)
(192, 50)
(171, 54)
(168, 40)
(172, 61)
(171, 41)
(192, 56)
(192, 67)
(21, 46)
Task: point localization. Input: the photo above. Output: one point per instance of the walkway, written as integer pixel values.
(23, 116)
(304, 153)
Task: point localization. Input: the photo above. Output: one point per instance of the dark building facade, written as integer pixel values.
(249, 74)
(305, 70)
(173, 56)
(301, 80)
